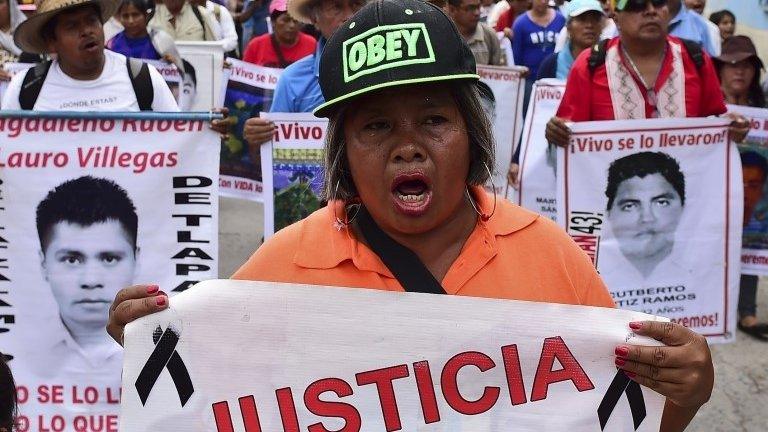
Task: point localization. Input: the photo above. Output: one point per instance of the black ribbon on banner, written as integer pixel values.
(620, 385)
(165, 356)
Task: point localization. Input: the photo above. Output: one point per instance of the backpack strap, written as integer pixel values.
(32, 84)
(141, 80)
(199, 16)
(695, 51)
(597, 55)
(278, 51)
(404, 264)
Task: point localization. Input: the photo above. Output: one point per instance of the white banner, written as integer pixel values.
(657, 205)
(249, 91)
(292, 168)
(754, 154)
(207, 74)
(538, 159)
(502, 100)
(91, 206)
(257, 356)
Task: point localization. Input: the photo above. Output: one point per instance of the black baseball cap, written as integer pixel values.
(391, 43)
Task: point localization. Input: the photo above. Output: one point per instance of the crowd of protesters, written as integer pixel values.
(83, 49)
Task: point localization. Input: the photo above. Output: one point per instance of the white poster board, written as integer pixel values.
(754, 155)
(292, 166)
(207, 60)
(257, 356)
(91, 206)
(504, 107)
(538, 158)
(657, 205)
(250, 89)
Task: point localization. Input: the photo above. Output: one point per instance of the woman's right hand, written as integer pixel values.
(132, 303)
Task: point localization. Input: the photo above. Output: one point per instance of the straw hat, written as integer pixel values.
(29, 34)
(299, 10)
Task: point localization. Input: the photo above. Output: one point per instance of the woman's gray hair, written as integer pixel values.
(338, 183)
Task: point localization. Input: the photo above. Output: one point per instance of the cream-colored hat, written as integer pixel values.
(29, 35)
(299, 10)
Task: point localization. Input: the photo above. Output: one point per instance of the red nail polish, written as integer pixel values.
(629, 374)
(635, 325)
(161, 300)
(620, 361)
(621, 351)
(152, 289)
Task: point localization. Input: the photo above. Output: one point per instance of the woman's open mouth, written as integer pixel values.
(412, 193)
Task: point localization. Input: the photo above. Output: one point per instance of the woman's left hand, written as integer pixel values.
(682, 370)
(739, 127)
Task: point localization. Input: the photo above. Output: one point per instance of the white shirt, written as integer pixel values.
(111, 91)
(53, 358)
(714, 36)
(496, 11)
(228, 36)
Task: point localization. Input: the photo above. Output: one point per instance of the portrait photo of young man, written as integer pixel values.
(87, 229)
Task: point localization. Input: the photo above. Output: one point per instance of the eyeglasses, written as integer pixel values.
(639, 5)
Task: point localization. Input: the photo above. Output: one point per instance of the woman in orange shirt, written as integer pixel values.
(408, 149)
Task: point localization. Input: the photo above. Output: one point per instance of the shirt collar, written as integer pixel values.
(318, 54)
(341, 245)
(478, 36)
(681, 15)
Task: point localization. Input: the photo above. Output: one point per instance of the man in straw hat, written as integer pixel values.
(298, 89)
(84, 76)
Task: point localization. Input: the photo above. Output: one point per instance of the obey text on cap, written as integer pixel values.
(386, 47)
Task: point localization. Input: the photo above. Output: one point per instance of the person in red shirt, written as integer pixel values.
(282, 47)
(507, 18)
(644, 64)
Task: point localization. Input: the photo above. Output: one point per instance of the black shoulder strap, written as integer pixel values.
(412, 274)
(278, 51)
(695, 51)
(199, 17)
(141, 80)
(597, 55)
(32, 84)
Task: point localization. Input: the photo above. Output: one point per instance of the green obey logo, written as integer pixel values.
(386, 47)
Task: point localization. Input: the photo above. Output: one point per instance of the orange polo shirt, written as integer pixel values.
(515, 255)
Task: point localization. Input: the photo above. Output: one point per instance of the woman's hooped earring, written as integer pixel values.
(484, 217)
(339, 223)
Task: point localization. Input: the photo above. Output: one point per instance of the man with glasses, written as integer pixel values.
(673, 78)
(298, 89)
(481, 39)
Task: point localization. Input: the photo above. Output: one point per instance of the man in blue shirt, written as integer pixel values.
(298, 89)
(691, 26)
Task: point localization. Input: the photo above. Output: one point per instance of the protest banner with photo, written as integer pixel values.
(291, 357)
(538, 159)
(249, 92)
(91, 206)
(657, 205)
(502, 99)
(172, 76)
(754, 157)
(206, 69)
(292, 168)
